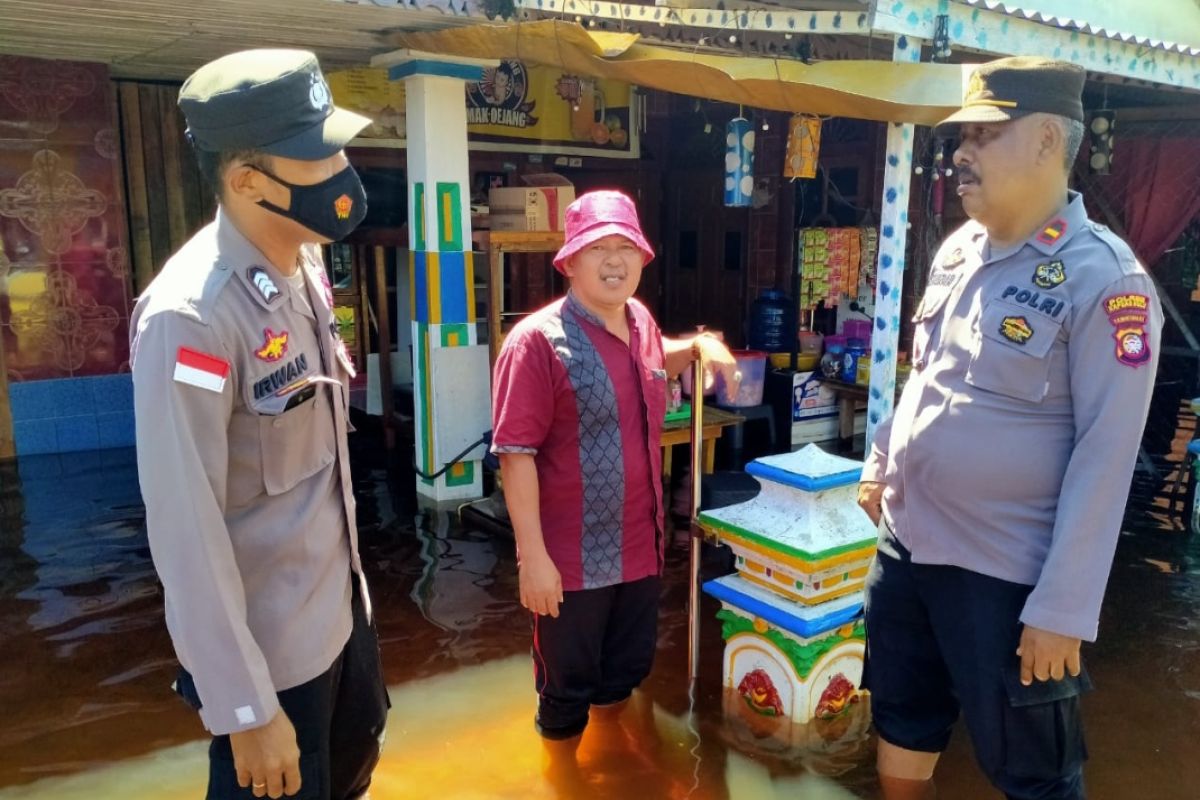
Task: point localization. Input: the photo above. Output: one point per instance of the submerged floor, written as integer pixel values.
(87, 712)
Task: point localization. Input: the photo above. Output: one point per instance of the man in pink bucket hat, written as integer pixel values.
(580, 392)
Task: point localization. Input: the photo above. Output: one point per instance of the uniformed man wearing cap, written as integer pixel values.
(1001, 478)
(240, 388)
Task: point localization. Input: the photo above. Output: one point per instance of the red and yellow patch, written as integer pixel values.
(1126, 302)
(342, 206)
(1053, 232)
(274, 346)
(1129, 314)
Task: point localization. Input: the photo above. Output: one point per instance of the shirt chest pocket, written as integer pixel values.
(926, 320)
(655, 388)
(298, 443)
(271, 454)
(1012, 354)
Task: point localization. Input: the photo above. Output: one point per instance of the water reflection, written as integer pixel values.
(87, 712)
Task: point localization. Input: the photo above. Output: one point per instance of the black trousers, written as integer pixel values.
(596, 652)
(339, 718)
(941, 640)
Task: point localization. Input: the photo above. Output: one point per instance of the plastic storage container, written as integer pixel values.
(831, 362)
(812, 343)
(863, 370)
(772, 322)
(753, 366)
(857, 329)
(855, 349)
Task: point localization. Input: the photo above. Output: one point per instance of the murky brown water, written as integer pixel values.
(87, 712)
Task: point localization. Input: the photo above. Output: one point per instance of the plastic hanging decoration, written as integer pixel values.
(803, 147)
(739, 163)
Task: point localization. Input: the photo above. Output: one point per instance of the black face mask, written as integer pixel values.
(332, 208)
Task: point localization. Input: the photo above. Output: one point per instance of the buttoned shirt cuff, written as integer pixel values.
(222, 721)
(1073, 625)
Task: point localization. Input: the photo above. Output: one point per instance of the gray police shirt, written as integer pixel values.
(241, 388)
(1011, 448)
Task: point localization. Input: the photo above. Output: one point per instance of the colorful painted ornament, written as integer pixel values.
(792, 615)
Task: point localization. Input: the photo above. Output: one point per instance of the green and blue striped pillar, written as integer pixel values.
(441, 272)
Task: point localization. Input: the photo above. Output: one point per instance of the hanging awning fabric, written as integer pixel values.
(876, 90)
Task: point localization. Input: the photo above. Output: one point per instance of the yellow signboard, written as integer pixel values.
(369, 92)
(536, 105)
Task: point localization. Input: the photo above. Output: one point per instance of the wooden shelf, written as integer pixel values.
(498, 243)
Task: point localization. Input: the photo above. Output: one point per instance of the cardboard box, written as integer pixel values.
(540, 206)
(815, 411)
(824, 429)
(810, 398)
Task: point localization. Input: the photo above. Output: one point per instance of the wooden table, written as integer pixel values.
(849, 396)
(680, 432)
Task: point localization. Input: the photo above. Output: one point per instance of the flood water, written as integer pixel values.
(87, 711)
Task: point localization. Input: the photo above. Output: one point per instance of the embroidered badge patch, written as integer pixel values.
(941, 278)
(1053, 232)
(201, 370)
(954, 259)
(1016, 329)
(1128, 314)
(1047, 276)
(262, 281)
(281, 377)
(274, 346)
(342, 206)
(1050, 306)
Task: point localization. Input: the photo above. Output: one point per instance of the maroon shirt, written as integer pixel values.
(590, 409)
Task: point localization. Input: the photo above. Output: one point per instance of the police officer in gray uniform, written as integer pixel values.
(1001, 479)
(241, 387)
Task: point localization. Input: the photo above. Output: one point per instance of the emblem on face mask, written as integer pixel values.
(1129, 314)
(343, 206)
(1047, 276)
(274, 347)
(262, 281)
(1016, 330)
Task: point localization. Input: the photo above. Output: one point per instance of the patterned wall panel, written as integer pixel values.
(64, 277)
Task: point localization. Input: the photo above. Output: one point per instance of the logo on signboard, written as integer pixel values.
(502, 97)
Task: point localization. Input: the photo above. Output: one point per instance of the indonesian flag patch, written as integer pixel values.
(200, 369)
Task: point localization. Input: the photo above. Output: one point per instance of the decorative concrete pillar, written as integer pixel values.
(893, 238)
(792, 614)
(447, 387)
